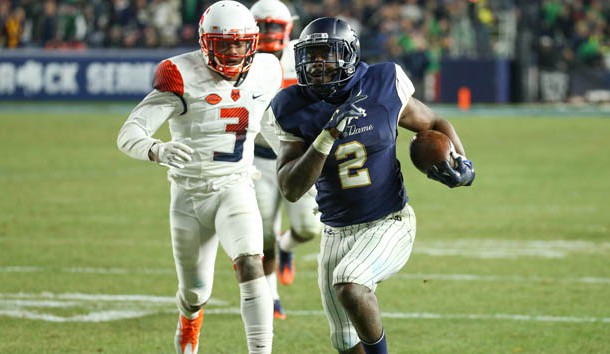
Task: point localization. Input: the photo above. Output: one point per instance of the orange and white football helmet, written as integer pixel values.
(275, 24)
(228, 24)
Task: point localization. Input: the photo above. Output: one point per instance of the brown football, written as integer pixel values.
(428, 148)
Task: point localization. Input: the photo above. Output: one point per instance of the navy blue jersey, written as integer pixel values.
(361, 180)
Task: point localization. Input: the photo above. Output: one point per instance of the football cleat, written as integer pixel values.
(285, 268)
(278, 311)
(187, 334)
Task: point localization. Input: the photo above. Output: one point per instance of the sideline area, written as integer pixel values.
(477, 110)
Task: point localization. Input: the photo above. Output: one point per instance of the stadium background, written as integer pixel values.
(518, 263)
(502, 50)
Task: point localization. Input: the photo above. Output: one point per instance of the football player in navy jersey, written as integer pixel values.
(338, 129)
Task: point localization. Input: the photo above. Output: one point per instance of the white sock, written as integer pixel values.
(287, 242)
(257, 314)
(272, 281)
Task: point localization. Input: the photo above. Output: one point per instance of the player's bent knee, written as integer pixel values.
(190, 300)
(351, 295)
(249, 267)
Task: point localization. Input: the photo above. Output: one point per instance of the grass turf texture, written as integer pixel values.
(78, 217)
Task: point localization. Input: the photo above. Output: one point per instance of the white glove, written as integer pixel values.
(172, 154)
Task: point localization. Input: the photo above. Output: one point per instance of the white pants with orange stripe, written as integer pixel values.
(364, 254)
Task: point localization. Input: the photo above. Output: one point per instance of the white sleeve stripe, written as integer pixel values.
(404, 87)
(290, 138)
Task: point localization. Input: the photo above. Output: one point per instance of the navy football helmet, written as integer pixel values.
(326, 55)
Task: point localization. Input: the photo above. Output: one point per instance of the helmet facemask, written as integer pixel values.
(229, 54)
(324, 65)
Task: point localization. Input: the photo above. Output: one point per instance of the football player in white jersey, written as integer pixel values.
(275, 24)
(213, 100)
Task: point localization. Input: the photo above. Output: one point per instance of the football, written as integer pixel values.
(428, 148)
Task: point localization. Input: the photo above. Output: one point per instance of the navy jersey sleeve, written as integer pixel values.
(300, 114)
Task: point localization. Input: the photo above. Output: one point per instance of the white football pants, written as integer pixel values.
(202, 214)
(364, 254)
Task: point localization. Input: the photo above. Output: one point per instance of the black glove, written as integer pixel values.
(346, 110)
(461, 175)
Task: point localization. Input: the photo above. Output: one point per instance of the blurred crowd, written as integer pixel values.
(75, 24)
(415, 33)
(576, 31)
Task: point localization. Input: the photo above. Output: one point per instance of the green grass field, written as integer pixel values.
(518, 263)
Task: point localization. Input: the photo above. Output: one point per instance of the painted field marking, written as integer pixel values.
(99, 307)
(107, 307)
(504, 249)
(437, 316)
(88, 270)
(310, 274)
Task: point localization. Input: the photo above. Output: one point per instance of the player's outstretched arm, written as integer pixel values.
(298, 168)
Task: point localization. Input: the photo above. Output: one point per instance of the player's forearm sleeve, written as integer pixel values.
(268, 130)
(134, 141)
(135, 137)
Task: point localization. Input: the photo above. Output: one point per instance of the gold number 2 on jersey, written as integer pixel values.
(351, 173)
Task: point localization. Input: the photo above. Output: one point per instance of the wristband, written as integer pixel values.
(324, 142)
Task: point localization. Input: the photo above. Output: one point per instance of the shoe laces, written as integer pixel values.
(190, 328)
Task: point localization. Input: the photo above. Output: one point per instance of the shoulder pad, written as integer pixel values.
(168, 78)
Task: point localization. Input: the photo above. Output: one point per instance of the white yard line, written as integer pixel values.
(504, 249)
(308, 274)
(100, 316)
(438, 316)
(107, 307)
(74, 297)
(90, 270)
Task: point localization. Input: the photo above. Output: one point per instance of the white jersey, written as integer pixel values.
(288, 65)
(206, 112)
(289, 78)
